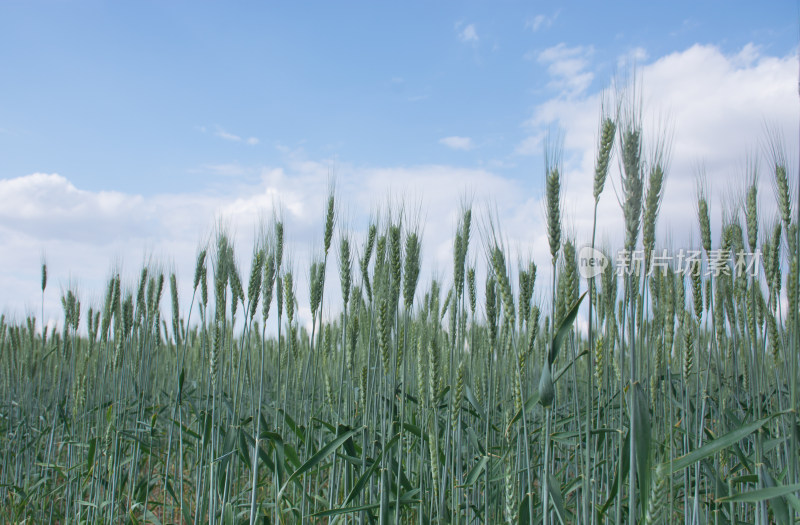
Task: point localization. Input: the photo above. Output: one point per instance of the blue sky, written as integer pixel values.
(147, 121)
(115, 95)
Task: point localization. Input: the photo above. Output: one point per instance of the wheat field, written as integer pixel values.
(460, 400)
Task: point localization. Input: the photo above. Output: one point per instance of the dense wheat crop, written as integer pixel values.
(459, 400)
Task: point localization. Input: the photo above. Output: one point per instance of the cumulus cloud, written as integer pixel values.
(713, 105)
(50, 207)
(567, 67)
(87, 233)
(458, 143)
(84, 233)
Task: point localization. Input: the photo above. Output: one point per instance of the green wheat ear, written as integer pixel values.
(330, 215)
(553, 192)
(656, 507)
(471, 288)
(412, 266)
(599, 357)
(688, 350)
(702, 215)
(345, 270)
(783, 193)
(459, 395)
(751, 214)
(652, 205)
(383, 335)
(632, 184)
(44, 276)
(609, 130)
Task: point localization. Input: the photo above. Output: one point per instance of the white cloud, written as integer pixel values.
(567, 67)
(536, 22)
(221, 133)
(468, 34)
(51, 207)
(716, 106)
(458, 143)
(531, 145)
(541, 21)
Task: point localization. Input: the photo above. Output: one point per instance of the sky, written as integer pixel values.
(130, 130)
